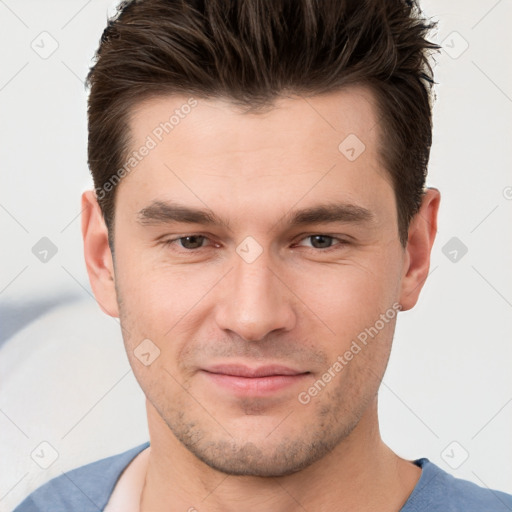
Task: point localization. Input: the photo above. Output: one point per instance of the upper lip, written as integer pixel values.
(239, 370)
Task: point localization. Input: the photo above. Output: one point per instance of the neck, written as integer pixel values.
(361, 475)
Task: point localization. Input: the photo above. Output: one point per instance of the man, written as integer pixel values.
(259, 219)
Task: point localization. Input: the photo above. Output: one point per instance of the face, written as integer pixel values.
(270, 316)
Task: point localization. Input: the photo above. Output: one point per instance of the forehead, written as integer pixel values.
(294, 122)
(207, 151)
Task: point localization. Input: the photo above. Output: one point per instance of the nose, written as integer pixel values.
(254, 301)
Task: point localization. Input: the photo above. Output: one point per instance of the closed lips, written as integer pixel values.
(247, 372)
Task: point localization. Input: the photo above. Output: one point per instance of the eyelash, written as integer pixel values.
(342, 242)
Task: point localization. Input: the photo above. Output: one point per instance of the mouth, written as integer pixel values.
(256, 381)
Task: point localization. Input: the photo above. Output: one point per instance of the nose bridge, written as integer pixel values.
(254, 301)
(254, 280)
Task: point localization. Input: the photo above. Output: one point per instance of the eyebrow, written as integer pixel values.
(160, 212)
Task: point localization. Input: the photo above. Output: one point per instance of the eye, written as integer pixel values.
(187, 242)
(325, 242)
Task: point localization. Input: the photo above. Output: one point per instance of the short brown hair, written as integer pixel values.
(253, 51)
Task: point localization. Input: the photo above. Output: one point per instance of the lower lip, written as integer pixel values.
(254, 385)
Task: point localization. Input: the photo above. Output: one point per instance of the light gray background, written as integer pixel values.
(447, 393)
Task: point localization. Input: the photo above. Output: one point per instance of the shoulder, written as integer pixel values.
(437, 490)
(87, 488)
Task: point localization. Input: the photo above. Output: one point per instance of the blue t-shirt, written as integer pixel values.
(88, 489)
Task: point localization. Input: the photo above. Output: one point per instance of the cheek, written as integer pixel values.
(158, 295)
(165, 305)
(352, 296)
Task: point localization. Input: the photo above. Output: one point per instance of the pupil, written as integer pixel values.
(321, 237)
(195, 245)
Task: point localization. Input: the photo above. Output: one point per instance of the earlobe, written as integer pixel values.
(98, 257)
(422, 233)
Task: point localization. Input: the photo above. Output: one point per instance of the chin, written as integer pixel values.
(259, 459)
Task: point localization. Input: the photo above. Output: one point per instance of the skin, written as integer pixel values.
(296, 304)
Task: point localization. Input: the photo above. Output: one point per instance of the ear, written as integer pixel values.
(422, 232)
(98, 258)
